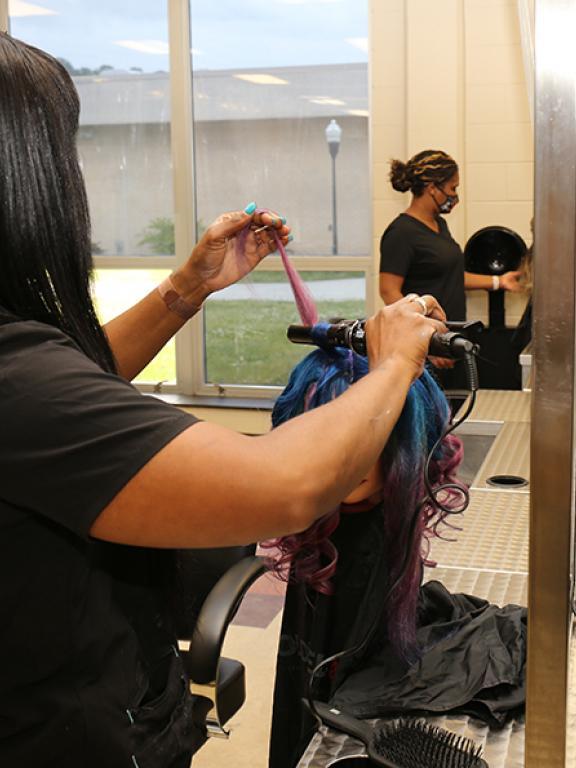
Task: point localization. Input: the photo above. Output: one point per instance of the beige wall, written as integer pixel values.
(449, 75)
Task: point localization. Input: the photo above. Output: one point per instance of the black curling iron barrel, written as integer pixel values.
(352, 334)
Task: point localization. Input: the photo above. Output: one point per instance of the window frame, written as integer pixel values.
(190, 340)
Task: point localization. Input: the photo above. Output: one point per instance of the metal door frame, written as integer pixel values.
(552, 441)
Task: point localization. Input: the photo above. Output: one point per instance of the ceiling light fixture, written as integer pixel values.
(326, 100)
(358, 42)
(21, 8)
(156, 47)
(262, 79)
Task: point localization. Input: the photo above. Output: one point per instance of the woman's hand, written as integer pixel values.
(510, 281)
(404, 329)
(232, 246)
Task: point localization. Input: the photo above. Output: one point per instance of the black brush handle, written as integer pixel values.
(358, 729)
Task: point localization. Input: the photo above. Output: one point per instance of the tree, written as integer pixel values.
(82, 71)
(159, 236)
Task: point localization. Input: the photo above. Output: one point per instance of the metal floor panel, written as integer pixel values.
(489, 559)
(508, 455)
(501, 405)
(498, 588)
(502, 749)
(494, 535)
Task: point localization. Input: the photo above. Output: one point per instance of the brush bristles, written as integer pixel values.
(416, 744)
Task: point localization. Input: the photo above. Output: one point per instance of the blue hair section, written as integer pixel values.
(316, 380)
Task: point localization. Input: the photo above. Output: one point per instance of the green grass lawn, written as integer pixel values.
(266, 276)
(246, 341)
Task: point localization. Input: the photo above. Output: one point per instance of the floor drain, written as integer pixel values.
(507, 481)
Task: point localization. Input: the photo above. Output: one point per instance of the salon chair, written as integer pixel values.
(221, 577)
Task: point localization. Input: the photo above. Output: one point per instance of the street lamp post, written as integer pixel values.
(333, 136)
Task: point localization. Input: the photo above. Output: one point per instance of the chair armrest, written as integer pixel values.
(218, 610)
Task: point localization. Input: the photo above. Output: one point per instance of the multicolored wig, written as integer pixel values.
(408, 516)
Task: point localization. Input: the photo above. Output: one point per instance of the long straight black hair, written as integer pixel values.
(45, 256)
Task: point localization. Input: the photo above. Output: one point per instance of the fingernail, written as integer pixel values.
(290, 237)
(250, 208)
(283, 218)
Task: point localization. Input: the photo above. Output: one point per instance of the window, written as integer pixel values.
(267, 82)
(117, 54)
(168, 142)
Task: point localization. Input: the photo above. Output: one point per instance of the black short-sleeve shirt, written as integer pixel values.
(429, 262)
(89, 673)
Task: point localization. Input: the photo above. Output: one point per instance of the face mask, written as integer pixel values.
(448, 204)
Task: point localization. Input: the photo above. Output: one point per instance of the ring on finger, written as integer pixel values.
(422, 302)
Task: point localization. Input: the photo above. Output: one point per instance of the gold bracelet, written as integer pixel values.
(174, 300)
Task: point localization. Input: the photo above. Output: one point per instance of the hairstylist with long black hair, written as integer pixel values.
(417, 252)
(97, 481)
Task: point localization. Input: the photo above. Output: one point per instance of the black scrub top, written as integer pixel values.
(89, 670)
(430, 262)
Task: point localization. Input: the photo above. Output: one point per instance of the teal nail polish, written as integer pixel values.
(283, 219)
(290, 238)
(250, 208)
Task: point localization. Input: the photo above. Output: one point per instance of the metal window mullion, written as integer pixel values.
(4, 21)
(262, 392)
(190, 340)
(552, 437)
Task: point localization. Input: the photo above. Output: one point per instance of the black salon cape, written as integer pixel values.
(472, 661)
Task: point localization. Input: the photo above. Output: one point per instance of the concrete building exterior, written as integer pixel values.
(252, 141)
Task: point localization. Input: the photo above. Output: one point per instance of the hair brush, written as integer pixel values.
(405, 743)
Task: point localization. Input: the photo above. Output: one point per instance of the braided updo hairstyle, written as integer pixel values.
(430, 166)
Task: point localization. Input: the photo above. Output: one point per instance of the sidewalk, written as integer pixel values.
(322, 290)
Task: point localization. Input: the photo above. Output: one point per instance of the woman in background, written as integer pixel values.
(418, 253)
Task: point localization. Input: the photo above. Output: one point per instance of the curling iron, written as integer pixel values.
(352, 334)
